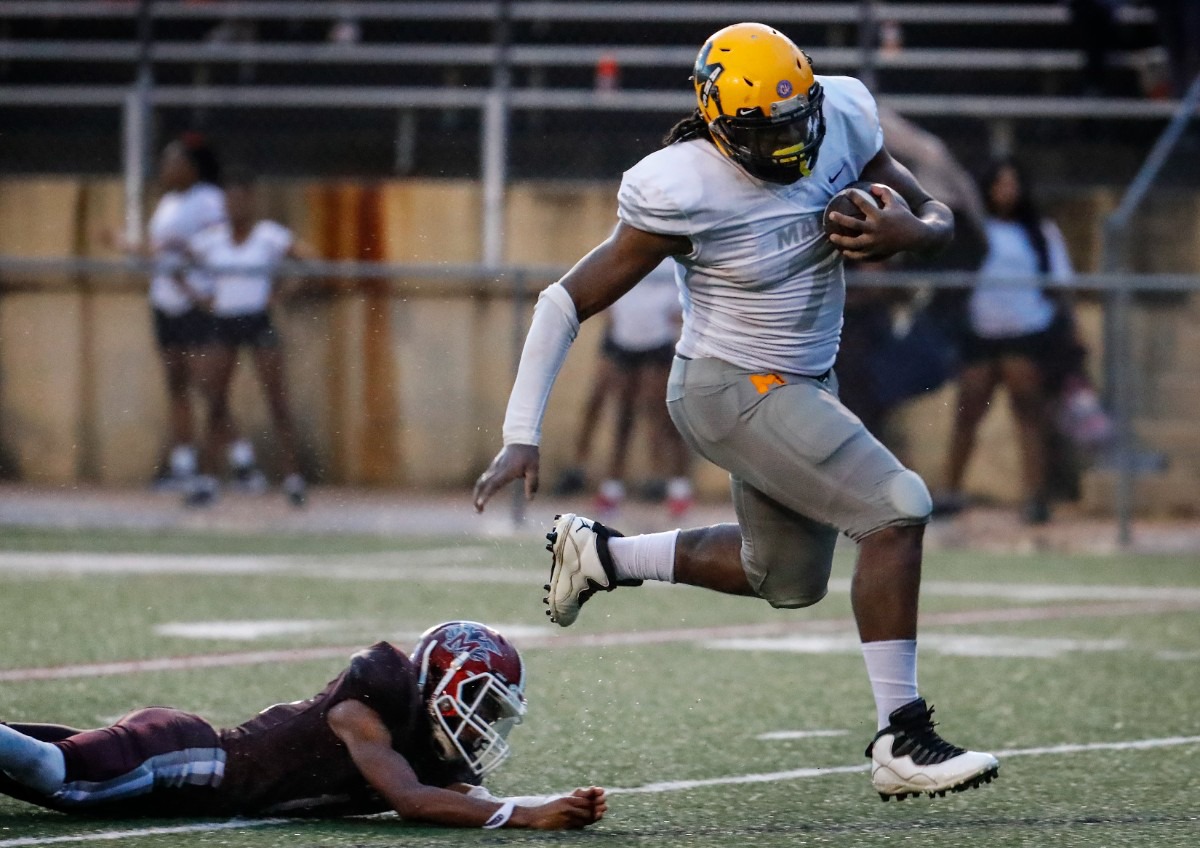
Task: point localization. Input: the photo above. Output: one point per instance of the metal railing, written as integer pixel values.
(537, 56)
(527, 10)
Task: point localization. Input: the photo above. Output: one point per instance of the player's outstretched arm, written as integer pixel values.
(579, 809)
(370, 745)
(924, 226)
(593, 797)
(596, 281)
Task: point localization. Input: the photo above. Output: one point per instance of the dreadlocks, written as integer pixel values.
(693, 126)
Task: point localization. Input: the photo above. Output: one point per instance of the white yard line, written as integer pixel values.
(798, 774)
(466, 564)
(107, 835)
(102, 669)
(800, 734)
(645, 789)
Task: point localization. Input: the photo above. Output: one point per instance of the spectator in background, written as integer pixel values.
(883, 361)
(1011, 332)
(188, 174)
(635, 361)
(241, 318)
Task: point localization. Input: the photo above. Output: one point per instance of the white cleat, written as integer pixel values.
(909, 758)
(580, 566)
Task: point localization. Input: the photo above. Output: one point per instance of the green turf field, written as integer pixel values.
(714, 721)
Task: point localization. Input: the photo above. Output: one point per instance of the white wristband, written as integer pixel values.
(482, 794)
(551, 333)
(501, 816)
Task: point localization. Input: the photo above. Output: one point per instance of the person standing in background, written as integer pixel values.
(1010, 332)
(878, 367)
(240, 318)
(189, 175)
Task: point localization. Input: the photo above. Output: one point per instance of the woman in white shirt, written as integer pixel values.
(240, 316)
(188, 175)
(1011, 331)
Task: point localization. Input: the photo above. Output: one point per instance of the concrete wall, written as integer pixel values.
(392, 386)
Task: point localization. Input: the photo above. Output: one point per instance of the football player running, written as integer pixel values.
(414, 734)
(736, 196)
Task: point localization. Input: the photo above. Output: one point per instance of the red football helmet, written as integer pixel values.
(473, 680)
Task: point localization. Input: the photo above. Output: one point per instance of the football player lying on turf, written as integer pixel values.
(415, 735)
(736, 196)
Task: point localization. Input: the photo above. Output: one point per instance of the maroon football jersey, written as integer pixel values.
(288, 760)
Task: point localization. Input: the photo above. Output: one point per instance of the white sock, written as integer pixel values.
(892, 668)
(31, 762)
(241, 454)
(647, 557)
(679, 488)
(183, 461)
(612, 490)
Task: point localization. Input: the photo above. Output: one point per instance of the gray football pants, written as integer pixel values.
(802, 467)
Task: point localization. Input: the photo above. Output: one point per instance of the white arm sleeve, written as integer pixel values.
(554, 327)
(481, 793)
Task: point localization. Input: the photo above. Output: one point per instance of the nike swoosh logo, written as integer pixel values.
(833, 179)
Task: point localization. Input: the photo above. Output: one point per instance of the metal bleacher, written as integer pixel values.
(970, 68)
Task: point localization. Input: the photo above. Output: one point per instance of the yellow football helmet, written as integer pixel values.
(762, 104)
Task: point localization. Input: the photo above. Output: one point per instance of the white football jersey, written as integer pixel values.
(179, 216)
(763, 287)
(235, 292)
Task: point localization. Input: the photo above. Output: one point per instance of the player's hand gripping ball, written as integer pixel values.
(842, 202)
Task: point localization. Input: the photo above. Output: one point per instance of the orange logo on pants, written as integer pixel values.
(765, 382)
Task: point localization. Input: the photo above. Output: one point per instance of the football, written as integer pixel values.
(841, 202)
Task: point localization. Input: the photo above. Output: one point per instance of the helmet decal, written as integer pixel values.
(784, 89)
(474, 641)
(706, 76)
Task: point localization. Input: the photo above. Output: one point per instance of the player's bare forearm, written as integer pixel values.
(370, 745)
(925, 227)
(616, 265)
(938, 230)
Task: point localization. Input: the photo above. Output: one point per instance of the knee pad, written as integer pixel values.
(791, 583)
(796, 602)
(909, 496)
